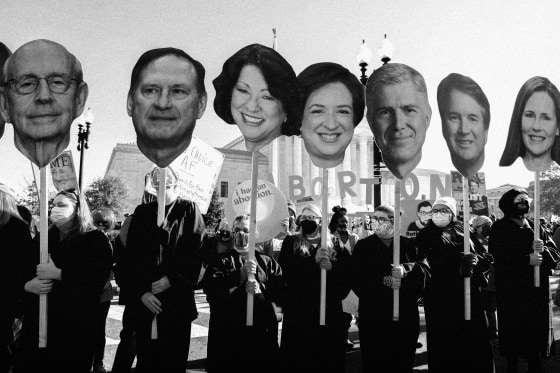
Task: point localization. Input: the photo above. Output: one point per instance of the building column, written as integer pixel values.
(297, 156)
(362, 139)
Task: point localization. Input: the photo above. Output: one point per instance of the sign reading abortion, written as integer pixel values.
(198, 168)
(348, 182)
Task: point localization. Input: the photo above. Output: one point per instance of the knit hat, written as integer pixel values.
(449, 202)
(292, 208)
(6, 189)
(480, 220)
(506, 201)
(170, 180)
(316, 210)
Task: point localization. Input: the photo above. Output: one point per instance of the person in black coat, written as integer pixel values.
(162, 272)
(454, 344)
(384, 342)
(79, 264)
(523, 309)
(15, 240)
(226, 286)
(305, 345)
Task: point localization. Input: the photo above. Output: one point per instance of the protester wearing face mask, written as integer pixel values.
(454, 345)
(220, 242)
(382, 341)
(340, 230)
(481, 231)
(523, 309)
(226, 286)
(306, 346)
(79, 264)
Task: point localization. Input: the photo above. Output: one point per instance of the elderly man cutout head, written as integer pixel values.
(43, 92)
(166, 97)
(398, 114)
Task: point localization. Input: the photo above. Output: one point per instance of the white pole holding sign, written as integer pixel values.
(44, 252)
(324, 244)
(160, 217)
(537, 269)
(252, 230)
(466, 245)
(397, 243)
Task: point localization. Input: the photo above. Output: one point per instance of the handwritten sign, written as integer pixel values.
(198, 169)
(63, 172)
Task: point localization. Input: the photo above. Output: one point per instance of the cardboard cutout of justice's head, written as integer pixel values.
(43, 93)
(333, 105)
(5, 52)
(258, 91)
(399, 115)
(465, 119)
(533, 130)
(166, 97)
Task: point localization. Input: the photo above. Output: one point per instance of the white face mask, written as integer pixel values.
(61, 215)
(441, 220)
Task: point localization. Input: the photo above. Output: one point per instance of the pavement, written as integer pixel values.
(199, 338)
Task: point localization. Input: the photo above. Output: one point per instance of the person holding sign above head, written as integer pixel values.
(454, 344)
(162, 270)
(226, 285)
(43, 92)
(465, 119)
(80, 262)
(398, 114)
(258, 91)
(5, 52)
(305, 345)
(385, 343)
(166, 97)
(523, 309)
(333, 106)
(533, 130)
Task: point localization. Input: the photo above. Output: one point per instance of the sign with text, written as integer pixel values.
(478, 201)
(198, 169)
(63, 172)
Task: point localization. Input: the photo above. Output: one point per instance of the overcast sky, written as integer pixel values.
(500, 45)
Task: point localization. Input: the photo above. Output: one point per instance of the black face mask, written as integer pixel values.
(522, 207)
(308, 226)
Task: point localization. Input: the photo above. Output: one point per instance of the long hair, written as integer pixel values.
(514, 145)
(8, 208)
(82, 221)
(338, 213)
(278, 75)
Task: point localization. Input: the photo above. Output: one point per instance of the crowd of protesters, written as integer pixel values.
(158, 269)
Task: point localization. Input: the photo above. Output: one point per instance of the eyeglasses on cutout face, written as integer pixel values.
(27, 84)
(382, 219)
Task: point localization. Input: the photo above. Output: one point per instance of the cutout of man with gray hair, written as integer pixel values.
(399, 115)
(42, 93)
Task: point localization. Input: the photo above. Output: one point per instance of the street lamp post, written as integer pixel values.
(83, 136)
(363, 57)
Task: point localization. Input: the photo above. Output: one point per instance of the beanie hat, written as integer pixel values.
(316, 210)
(506, 201)
(449, 202)
(6, 189)
(480, 220)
